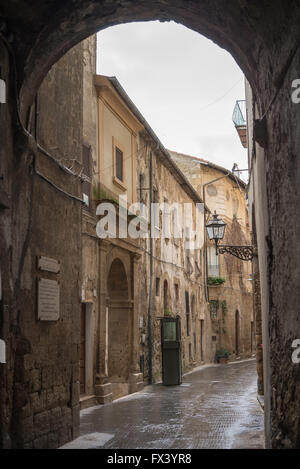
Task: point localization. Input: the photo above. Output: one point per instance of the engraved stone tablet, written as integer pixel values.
(48, 264)
(48, 300)
(2, 351)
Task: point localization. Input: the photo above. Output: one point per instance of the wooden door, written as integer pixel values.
(82, 349)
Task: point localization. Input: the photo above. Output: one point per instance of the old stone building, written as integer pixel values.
(40, 321)
(228, 278)
(263, 39)
(137, 281)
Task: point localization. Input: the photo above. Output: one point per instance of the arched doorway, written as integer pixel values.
(119, 338)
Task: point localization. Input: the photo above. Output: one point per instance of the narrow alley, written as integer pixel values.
(149, 225)
(215, 407)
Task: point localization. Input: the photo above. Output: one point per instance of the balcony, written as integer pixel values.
(239, 120)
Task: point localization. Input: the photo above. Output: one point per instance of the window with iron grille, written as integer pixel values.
(214, 307)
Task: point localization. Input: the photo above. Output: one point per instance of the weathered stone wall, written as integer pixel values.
(9, 332)
(40, 380)
(90, 243)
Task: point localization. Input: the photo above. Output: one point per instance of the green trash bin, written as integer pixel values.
(171, 351)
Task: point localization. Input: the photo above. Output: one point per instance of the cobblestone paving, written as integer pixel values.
(215, 407)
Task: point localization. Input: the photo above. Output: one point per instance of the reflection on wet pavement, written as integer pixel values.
(215, 407)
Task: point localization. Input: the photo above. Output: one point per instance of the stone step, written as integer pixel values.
(87, 401)
(119, 390)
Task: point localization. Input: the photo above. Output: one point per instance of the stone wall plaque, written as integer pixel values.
(2, 351)
(48, 264)
(48, 300)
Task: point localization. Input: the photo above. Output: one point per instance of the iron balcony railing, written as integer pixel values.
(239, 114)
(240, 122)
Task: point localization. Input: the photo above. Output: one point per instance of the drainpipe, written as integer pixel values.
(150, 274)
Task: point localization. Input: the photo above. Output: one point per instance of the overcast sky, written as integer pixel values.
(177, 79)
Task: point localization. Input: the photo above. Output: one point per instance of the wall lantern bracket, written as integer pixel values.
(245, 253)
(216, 230)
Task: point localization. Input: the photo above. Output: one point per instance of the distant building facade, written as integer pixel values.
(229, 279)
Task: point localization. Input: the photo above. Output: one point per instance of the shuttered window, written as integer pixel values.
(119, 164)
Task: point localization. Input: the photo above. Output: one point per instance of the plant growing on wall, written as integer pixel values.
(216, 280)
(168, 313)
(224, 307)
(224, 311)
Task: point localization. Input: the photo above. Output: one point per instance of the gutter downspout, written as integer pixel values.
(150, 273)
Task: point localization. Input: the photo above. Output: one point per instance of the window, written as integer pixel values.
(187, 310)
(214, 307)
(119, 176)
(176, 292)
(157, 286)
(156, 214)
(119, 164)
(87, 174)
(166, 219)
(213, 262)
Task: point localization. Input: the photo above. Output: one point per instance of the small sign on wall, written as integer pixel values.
(2, 351)
(48, 264)
(2, 91)
(48, 300)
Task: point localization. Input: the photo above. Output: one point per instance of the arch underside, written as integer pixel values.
(263, 38)
(44, 31)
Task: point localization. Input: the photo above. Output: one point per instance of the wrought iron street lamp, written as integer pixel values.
(216, 230)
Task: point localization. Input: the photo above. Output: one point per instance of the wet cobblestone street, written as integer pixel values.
(215, 407)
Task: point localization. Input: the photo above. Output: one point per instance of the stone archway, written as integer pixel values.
(119, 329)
(263, 39)
(51, 30)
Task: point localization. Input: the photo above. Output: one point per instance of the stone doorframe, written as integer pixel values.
(89, 347)
(108, 253)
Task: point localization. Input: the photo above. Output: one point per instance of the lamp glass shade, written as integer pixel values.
(216, 228)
